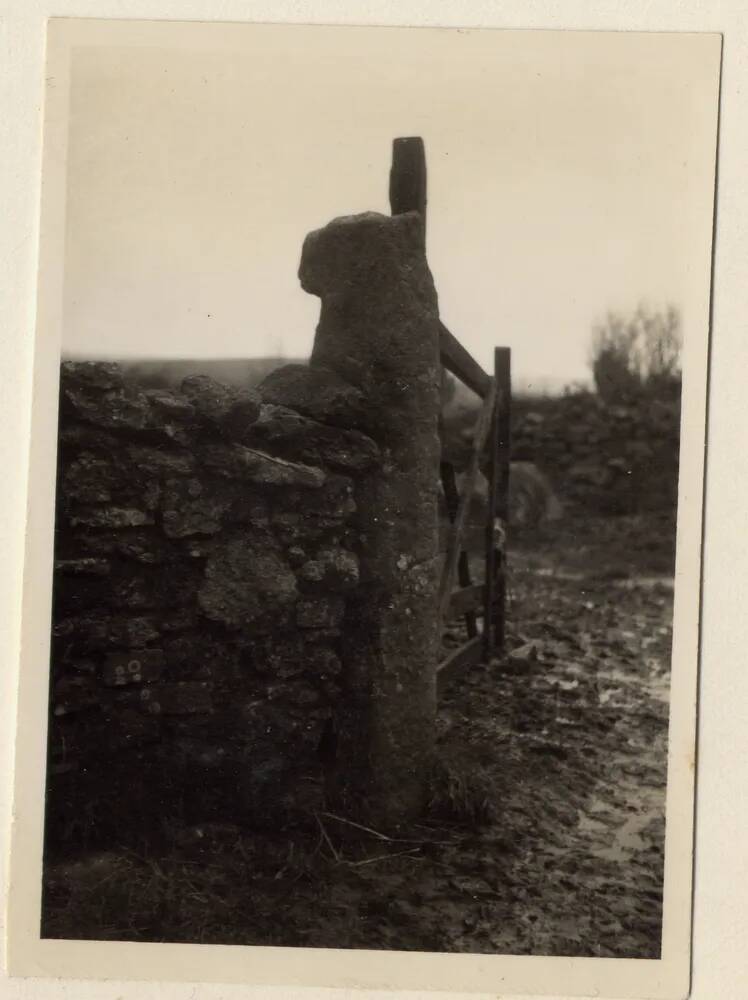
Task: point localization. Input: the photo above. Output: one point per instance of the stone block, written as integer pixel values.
(248, 583)
(236, 461)
(110, 517)
(136, 666)
(201, 656)
(146, 546)
(93, 375)
(74, 437)
(249, 509)
(83, 567)
(161, 460)
(320, 612)
(294, 436)
(129, 729)
(280, 657)
(167, 585)
(95, 479)
(75, 595)
(227, 407)
(323, 663)
(379, 330)
(170, 407)
(178, 698)
(99, 631)
(189, 509)
(332, 569)
(315, 392)
(74, 694)
(113, 409)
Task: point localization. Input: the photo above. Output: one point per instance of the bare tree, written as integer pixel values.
(636, 354)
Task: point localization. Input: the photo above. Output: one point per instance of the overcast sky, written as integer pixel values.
(566, 175)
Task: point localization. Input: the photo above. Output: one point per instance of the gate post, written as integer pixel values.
(498, 507)
(379, 330)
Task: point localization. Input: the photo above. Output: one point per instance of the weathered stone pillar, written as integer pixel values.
(378, 331)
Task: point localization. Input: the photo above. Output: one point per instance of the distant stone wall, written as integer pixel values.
(595, 457)
(603, 457)
(206, 550)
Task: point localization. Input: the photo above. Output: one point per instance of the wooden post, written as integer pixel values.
(408, 177)
(498, 507)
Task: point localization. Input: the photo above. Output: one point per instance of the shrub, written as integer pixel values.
(637, 355)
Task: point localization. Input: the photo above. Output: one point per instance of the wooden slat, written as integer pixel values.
(452, 501)
(466, 599)
(502, 361)
(492, 556)
(463, 657)
(502, 370)
(468, 487)
(498, 504)
(462, 364)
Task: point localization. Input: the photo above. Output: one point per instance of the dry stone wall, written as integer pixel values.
(206, 552)
(582, 454)
(603, 457)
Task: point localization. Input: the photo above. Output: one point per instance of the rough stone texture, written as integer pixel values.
(316, 392)
(585, 455)
(378, 331)
(284, 429)
(202, 569)
(226, 407)
(239, 462)
(137, 666)
(602, 457)
(245, 585)
(248, 584)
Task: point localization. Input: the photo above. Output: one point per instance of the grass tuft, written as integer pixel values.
(462, 796)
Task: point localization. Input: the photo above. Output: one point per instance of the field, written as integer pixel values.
(545, 832)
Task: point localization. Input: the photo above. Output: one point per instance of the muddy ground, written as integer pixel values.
(546, 832)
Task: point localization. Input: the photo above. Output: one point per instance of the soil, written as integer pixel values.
(545, 833)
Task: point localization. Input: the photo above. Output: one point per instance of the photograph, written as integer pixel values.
(371, 365)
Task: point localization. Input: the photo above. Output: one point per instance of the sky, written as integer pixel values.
(565, 178)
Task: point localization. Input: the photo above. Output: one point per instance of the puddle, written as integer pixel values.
(626, 839)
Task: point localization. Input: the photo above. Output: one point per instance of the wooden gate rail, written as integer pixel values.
(462, 364)
(452, 501)
(468, 488)
(486, 600)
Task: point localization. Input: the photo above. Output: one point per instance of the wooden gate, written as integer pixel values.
(478, 603)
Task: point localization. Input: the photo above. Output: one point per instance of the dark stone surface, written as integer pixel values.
(137, 666)
(332, 569)
(83, 567)
(191, 509)
(176, 654)
(224, 406)
(292, 434)
(316, 392)
(93, 375)
(248, 584)
(179, 698)
(110, 517)
(242, 463)
(378, 331)
(320, 612)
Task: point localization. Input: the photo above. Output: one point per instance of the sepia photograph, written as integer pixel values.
(374, 366)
